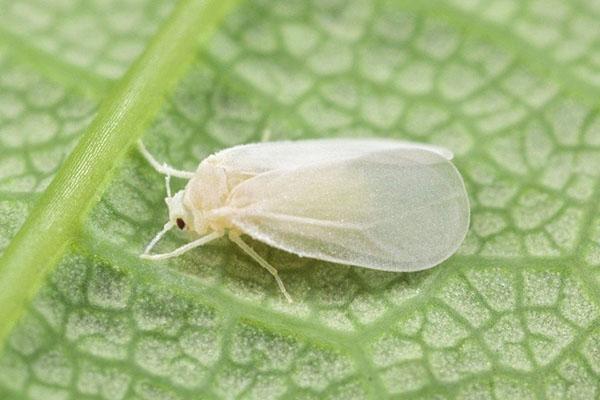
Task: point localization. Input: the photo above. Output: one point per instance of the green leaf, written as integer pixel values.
(511, 87)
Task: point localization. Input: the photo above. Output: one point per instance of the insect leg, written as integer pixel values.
(185, 248)
(163, 168)
(263, 263)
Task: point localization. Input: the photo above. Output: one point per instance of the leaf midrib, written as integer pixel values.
(82, 178)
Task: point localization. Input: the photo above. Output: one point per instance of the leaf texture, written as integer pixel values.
(511, 87)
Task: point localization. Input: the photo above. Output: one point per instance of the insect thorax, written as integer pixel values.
(208, 191)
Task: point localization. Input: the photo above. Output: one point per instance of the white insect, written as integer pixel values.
(378, 204)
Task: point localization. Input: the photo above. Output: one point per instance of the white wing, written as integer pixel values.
(403, 209)
(257, 158)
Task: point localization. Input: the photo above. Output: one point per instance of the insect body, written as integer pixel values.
(379, 204)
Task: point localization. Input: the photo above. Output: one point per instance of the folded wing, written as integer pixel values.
(257, 158)
(403, 209)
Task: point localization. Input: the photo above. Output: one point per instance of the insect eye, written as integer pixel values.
(180, 223)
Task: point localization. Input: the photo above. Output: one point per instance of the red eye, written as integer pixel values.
(180, 223)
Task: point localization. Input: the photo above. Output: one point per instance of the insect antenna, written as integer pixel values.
(168, 186)
(168, 226)
(163, 168)
(185, 248)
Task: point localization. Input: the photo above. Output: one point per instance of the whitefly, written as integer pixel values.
(378, 204)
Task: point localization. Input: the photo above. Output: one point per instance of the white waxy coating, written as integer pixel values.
(380, 204)
(404, 208)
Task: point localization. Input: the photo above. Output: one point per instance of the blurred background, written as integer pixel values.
(511, 87)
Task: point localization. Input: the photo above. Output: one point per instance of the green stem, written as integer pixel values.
(121, 120)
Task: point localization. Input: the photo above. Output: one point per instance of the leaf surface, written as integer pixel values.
(511, 87)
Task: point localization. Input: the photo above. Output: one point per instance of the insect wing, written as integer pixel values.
(257, 158)
(404, 209)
